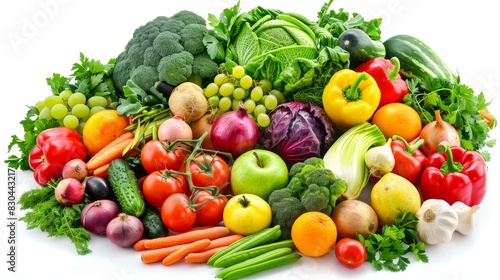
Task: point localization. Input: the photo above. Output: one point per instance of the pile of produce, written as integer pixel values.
(233, 141)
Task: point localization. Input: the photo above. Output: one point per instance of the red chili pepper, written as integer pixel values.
(409, 160)
(55, 147)
(454, 174)
(386, 73)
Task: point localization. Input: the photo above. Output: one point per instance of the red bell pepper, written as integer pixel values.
(454, 174)
(54, 148)
(409, 160)
(386, 73)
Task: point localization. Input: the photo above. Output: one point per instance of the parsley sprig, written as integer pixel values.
(388, 249)
(45, 213)
(459, 105)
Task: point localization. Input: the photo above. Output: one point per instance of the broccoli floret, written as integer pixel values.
(326, 178)
(176, 68)
(296, 186)
(121, 73)
(337, 190)
(316, 198)
(192, 38)
(285, 210)
(167, 43)
(144, 76)
(296, 168)
(321, 176)
(204, 69)
(315, 161)
(188, 17)
(160, 38)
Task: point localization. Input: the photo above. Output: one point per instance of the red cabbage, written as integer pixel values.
(298, 131)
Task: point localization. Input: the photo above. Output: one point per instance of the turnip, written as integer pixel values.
(188, 101)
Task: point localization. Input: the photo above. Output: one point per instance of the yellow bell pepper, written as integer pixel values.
(350, 98)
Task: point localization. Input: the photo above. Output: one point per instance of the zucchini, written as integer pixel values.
(153, 225)
(360, 46)
(126, 188)
(417, 59)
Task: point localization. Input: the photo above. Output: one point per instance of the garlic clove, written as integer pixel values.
(466, 217)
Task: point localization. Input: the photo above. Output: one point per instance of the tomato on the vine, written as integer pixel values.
(209, 170)
(209, 208)
(156, 156)
(350, 252)
(177, 212)
(159, 185)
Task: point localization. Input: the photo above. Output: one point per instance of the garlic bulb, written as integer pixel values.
(437, 221)
(466, 217)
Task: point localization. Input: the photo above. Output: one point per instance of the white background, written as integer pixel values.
(39, 38)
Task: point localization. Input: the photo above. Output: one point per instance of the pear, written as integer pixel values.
(392, 196)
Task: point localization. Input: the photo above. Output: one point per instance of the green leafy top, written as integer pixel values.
(459, 105)
(388, 249)
(90, 77)
(45, 213)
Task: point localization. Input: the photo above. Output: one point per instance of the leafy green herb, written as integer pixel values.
(459, 105)
(90, 77)
(389, 248)
(32, 127)
(51, 217)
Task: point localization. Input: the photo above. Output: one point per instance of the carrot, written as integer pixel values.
(101, 170)
(157, 255)
(112, 151)
(202, 256)
(139, 245)
(223, 241)
(185, 249)
(186, 237)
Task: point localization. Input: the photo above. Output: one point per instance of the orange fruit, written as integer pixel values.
(101, 128)
(398, 119)
(314, 234)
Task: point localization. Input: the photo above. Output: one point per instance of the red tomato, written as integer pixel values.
(156, 156)
(159, 185)
(209, 170)
(177, 213)
(209, 208)
(350, 252)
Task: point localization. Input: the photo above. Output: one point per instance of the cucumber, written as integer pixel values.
(360, 46)
(416, 58)
(126, 188)
(153, 225)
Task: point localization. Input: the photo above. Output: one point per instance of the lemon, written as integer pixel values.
(392, 196)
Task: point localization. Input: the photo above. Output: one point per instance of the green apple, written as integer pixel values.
(258, 172)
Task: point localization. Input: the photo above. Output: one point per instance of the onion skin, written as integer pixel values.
(436, 132)
(173, 129)
(124, 230)
(235, 132)
(75, 168)
(202, 125)
(69, 191)
(96, 215)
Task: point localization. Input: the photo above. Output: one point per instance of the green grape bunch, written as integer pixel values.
(228, 90)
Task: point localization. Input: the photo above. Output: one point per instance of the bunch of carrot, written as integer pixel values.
(98, 164)
(194, 246)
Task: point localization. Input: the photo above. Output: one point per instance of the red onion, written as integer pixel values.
(436, 132)
(235, 132)
(124, 230)
(96, 215)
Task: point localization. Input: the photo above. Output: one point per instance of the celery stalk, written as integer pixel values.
(346, 157)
